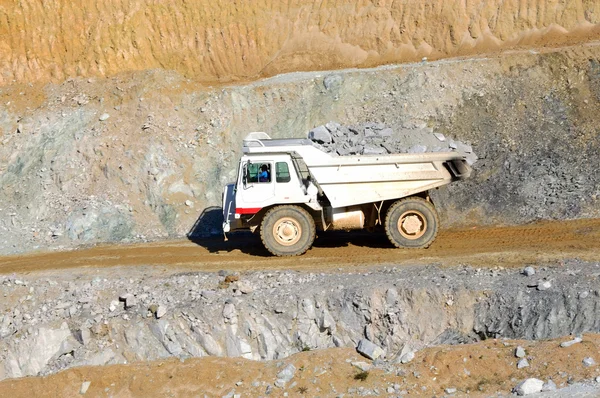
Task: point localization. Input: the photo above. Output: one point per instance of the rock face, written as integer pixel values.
(45, 345)
(394, 310)
(68, 179)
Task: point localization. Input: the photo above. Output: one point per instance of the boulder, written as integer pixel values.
(320, 134)
(529, 386)
(369, 349)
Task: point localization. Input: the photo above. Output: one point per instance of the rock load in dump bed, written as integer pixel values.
(377, 139)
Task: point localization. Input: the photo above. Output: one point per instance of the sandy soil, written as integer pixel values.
(480, 369)
(510, 246)
(231, 41)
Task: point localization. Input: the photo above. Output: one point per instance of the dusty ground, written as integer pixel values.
(490, 246)
(481, 369)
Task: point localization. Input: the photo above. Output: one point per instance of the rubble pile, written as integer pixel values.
(378, 139)
(48, 324)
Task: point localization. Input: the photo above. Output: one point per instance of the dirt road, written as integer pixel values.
(497, 246)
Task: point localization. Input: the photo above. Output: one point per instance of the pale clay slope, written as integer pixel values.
(219, 41)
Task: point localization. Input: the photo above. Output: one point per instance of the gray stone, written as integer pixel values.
(243, 287)
(320, 134)
(161, 311)
(362, 365)
(440, 136)
(129, 300)
(406, 358)
(368, 349)
(287, 373)
(588, 361)
(85, 335)
(529, 386)
(31, 356)
(417, 149)
(545, 285)
(229, 311)
(569, 343)
(549, 386)
(104, 117)
(370, 133)
(523, 363)
(373, 150)
(528, 271)
(520, 352)
(450, 390)
(84, 387)
(333, 81)
(332, 126)
(386, 132)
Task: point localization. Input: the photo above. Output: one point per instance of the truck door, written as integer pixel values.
(258, 187)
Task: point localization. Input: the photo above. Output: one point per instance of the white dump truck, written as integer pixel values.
(288, 189)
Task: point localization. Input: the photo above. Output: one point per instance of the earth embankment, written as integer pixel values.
(145, 155)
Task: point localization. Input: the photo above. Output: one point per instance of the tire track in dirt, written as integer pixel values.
(491, 246)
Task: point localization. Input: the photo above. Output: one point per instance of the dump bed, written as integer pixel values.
(352, 180)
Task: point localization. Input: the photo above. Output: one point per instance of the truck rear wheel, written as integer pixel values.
(287, 231)
(412, 223)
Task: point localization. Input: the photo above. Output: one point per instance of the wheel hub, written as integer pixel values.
(412, 224)
(287, 231)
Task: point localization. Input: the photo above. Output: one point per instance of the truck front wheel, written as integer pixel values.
(287, 231)
(412, 223)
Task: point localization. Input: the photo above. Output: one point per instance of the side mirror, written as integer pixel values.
(245, 176)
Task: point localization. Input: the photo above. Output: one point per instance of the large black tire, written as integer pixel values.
(412, 223)
(287, 231)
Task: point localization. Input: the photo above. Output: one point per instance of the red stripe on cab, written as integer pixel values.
(252, 210)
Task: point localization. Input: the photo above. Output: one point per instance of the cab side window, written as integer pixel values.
(282, 172)
(259, 172)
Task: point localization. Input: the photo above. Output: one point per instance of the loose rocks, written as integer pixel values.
(285, 375)
(362, 366)
(84, 387)
(129, 300)
(545, 285)
(549, 386)
(368, 349)
(520, 352)
(406, 358)
(528, 271)
(529, 386)
(566, 344)
(377, 139)
(320, 135)
(523, 363)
